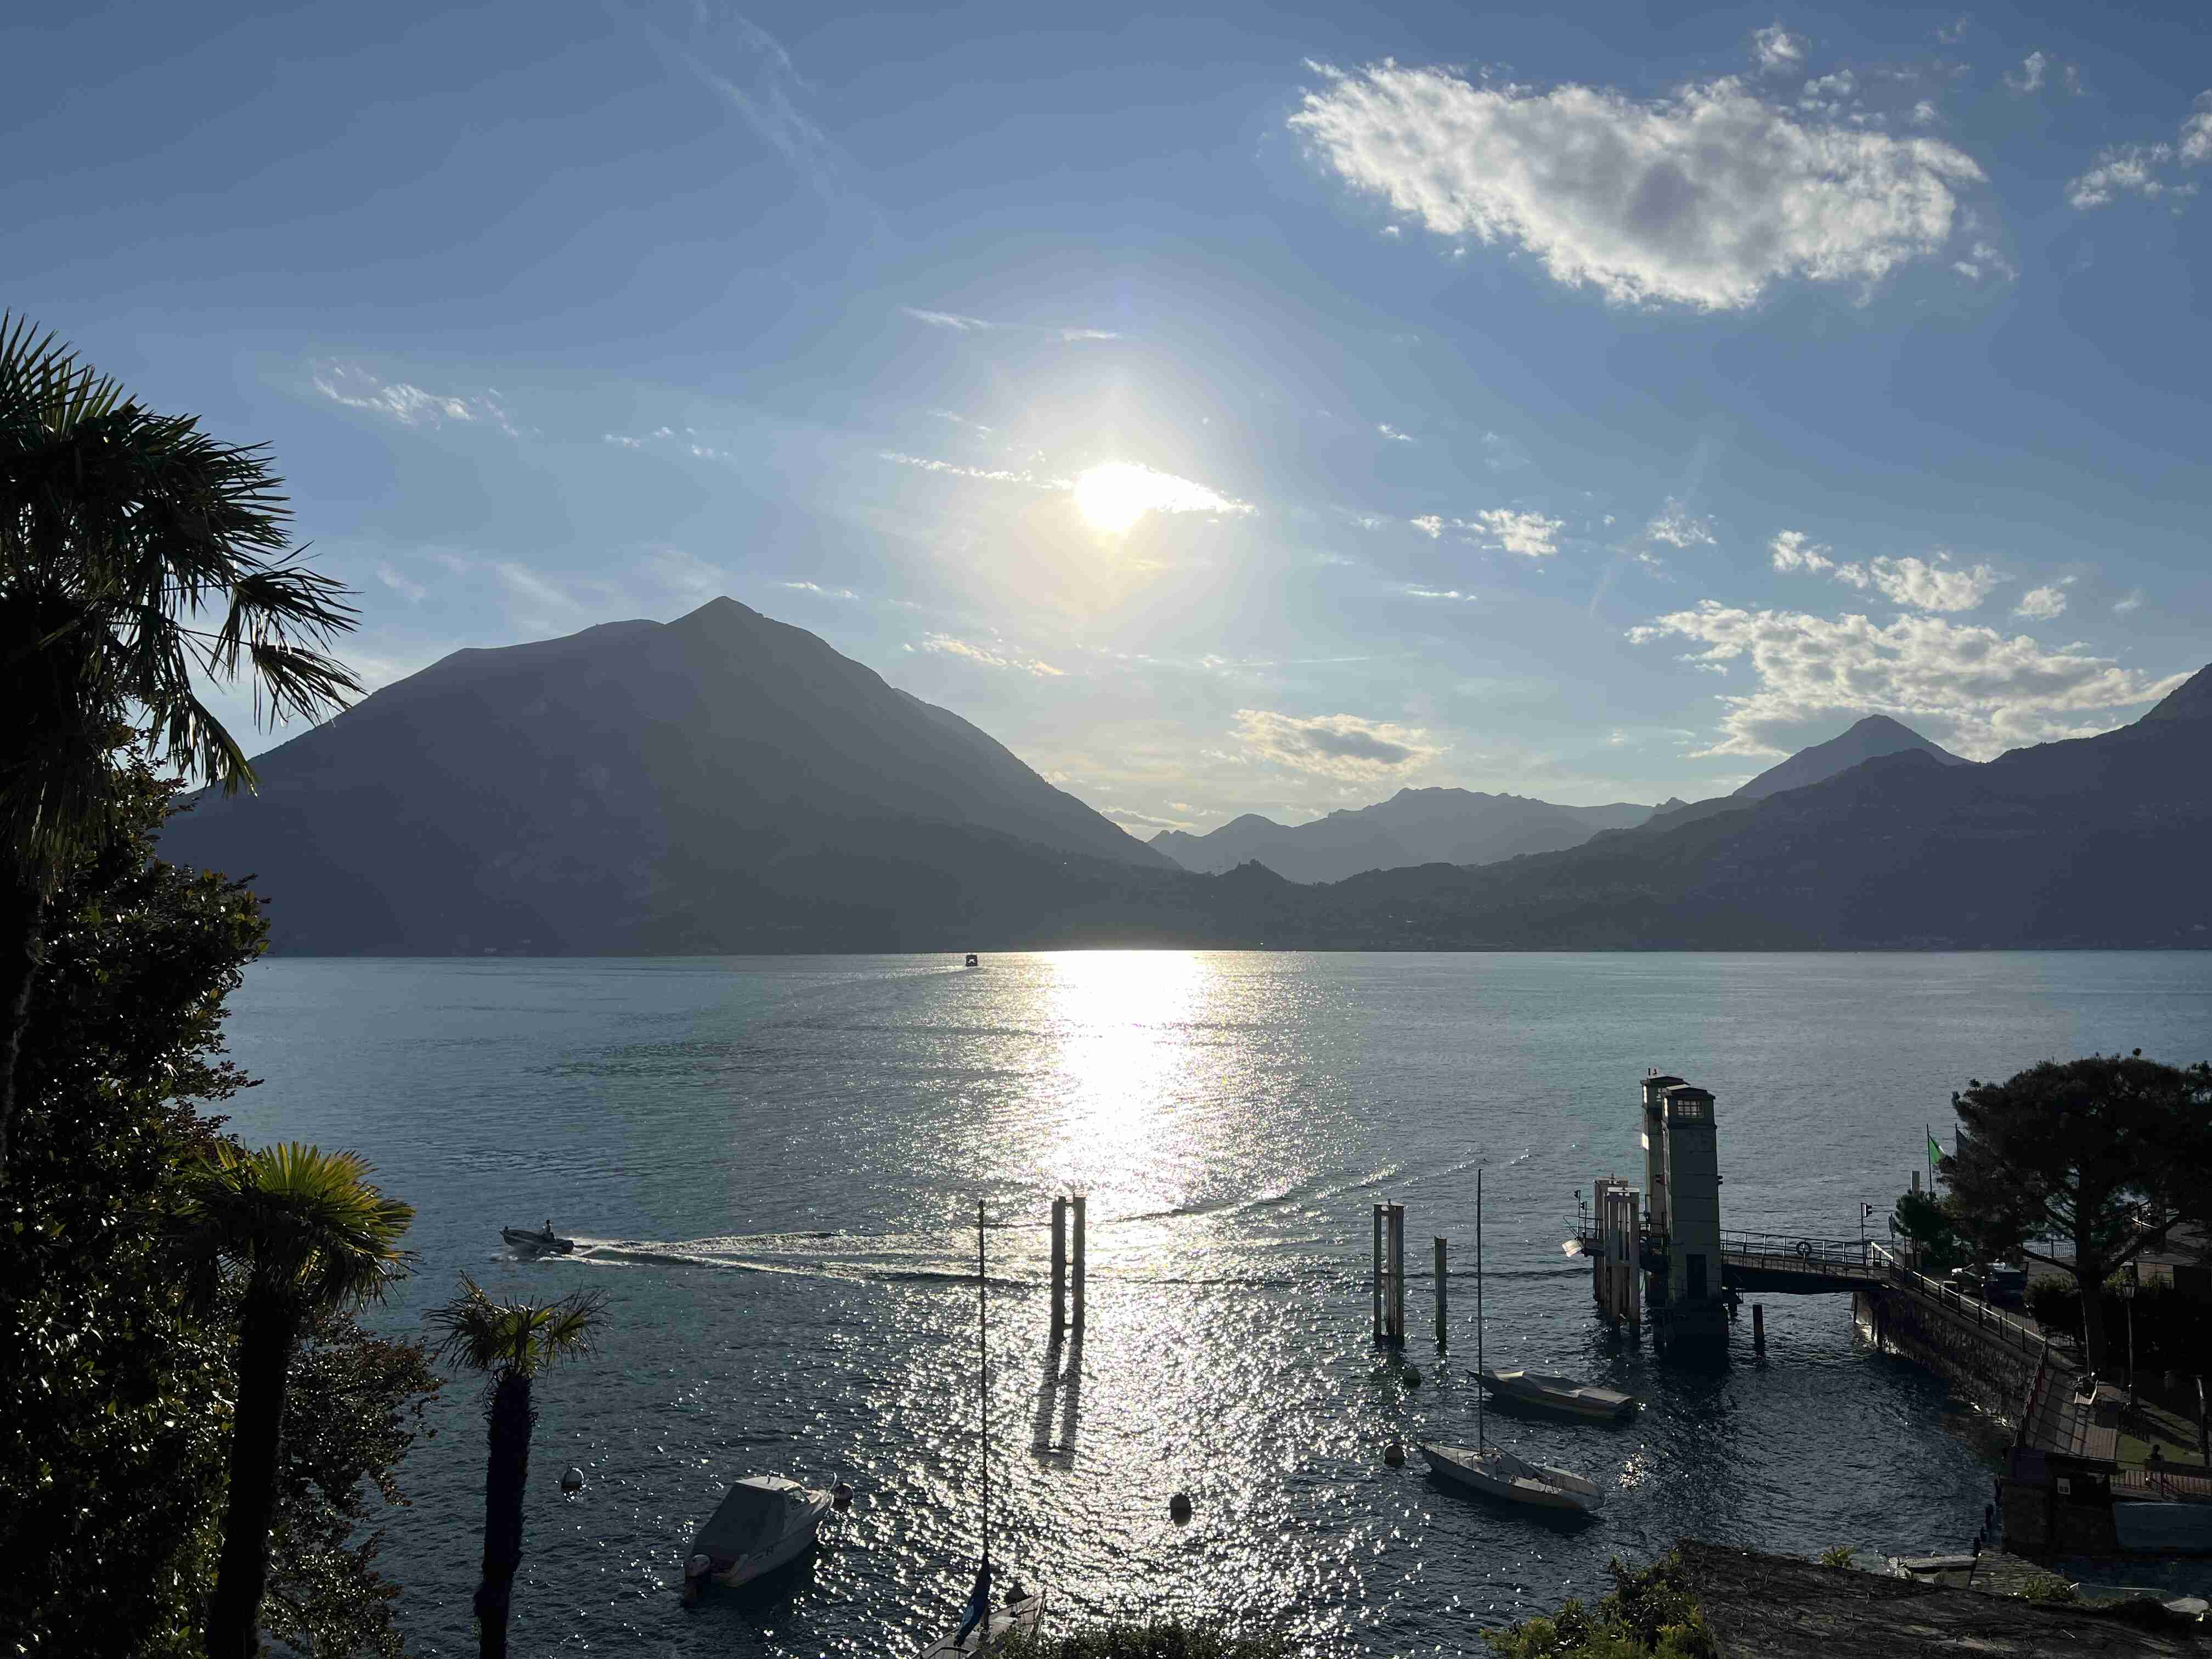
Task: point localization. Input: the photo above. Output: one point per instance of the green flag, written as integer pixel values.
(1935, 1151)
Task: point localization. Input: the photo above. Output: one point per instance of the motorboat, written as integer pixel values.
(1549, 1391)
(1493, 1472)
(1021, 1614)
(536, 1242)
(763, 1522)
(972, 961)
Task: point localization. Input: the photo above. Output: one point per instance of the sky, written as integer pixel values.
(1264, 410)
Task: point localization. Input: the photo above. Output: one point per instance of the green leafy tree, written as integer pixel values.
(135, 552)
(1650, 1614)
(1927, 1221)
(2109, 1153)
(298, 1233)
(509, 1343)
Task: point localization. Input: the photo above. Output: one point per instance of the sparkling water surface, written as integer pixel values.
(771, 1165)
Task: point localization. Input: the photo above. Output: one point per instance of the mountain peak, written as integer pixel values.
(2191, 700)
(1869, 738)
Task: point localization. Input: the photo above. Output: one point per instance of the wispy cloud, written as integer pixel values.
(994, 475)
(410, 405)
(2040, 69)
(1531, 535)
(1775, 50)
(2042, 604)
(1703, 199)
(413, 592)
(960, 323)
(1412, 593)
(1925, 585)
(1676, 525)
(820, 591)
(2148, 170)
(748, 68)
(946, 645)
(1392, 434)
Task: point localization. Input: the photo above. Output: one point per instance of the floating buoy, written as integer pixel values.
(1394, 1454)
(841, 1495)
(572, 1481)
(1179, 1508)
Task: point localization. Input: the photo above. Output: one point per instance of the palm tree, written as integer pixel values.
(138, 557)
(509, 1342)
(296, 1233)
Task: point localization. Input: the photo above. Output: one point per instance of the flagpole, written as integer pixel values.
(1929, 1142)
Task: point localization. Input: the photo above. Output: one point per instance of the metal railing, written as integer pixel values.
(2029, 1338)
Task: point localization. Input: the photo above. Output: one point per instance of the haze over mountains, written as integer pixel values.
(1414, 826)
(725, 783)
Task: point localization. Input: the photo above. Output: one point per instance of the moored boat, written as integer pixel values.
(1022, 1612)
(763, 1522)
(1548, 1391)
(1493, 1472)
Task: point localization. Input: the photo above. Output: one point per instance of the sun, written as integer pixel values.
(1112, 498)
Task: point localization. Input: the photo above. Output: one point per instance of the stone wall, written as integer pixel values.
(1990, 1366)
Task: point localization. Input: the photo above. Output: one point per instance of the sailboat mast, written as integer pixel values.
(983, 1390)
(1478, 1306)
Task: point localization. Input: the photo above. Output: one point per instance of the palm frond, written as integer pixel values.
(302, 1225)
(515, 1338)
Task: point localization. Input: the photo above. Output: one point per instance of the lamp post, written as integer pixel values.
(2129, 1286)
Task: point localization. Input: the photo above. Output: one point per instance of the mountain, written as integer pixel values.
(723, 781)
(1414, 826)
(2095, 841)
(1871, 738)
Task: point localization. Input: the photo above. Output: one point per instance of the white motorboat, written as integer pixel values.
(1022, 1613)
(531, 1242)
(1549, 1391)
(1491, 1471)
(1495, 1472)
(1021, 1610)
(763, 1522)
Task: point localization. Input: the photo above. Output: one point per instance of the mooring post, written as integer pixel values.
(1378, 1273)
(1443, 1326)
(1059, 1266)
(1757, 1328)
(1079, 1205)
(1397, 1275)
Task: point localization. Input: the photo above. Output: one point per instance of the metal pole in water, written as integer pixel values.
(1059, 1266)
(1397, 1275)
(1442, 1323)
(1377, 1263)
(983, 1369)
(1080, 1204)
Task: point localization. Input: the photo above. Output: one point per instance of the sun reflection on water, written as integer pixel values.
(1123, 1064)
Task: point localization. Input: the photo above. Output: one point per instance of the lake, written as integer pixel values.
(772, 1165)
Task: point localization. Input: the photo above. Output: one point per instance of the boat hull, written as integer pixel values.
(1023, 1616)
(536, 1244)
(1487, 1474)
(1584, 1402)
(756, 1564)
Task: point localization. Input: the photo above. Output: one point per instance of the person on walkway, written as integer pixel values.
(979, 1607)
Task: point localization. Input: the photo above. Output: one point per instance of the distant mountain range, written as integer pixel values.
(1414, 826)
(725, 783)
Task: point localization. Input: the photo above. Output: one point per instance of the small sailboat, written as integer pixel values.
(763, 1522)
(1550, 1392)
(1491, 1471)
(990, 1623)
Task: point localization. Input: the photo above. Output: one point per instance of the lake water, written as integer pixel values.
(772, 1166)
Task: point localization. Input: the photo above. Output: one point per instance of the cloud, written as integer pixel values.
(1704, 200)
(1437, 593)
(2140, 169)
(410, 405)
(1985, 258)
(1529, 534)
(413, 592)
(2197, 132)
(1794, 549)
(1117, 494)
(1392, 433)
(994, 475)
(2132, 602)
(1777, 52)
(1133, 820)
(1342, 746)
(2042, 604)
(1951, 34)
(764, 87)
(1677, 527)
(1991, 691)
(960, 323)
(1923, 113)
(1429, 524)
(1828, 92)
(947, 646)
(2036, 69)
(820, 591)
(1932, 586)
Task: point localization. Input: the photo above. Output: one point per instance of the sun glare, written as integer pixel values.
(1114, 496)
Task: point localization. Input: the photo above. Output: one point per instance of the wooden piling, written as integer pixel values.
(1443, 1322)
(1757, 1328)
(1396, 1241)
(1059, 1266)
(1079, 1205)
